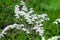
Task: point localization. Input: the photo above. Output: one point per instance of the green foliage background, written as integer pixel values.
(51, 7)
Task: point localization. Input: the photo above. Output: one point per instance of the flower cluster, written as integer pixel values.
(30, 17)
(34, 19)
(39, 29)
(17, 26)
(56, 21)
(54, 38)
(43, 38)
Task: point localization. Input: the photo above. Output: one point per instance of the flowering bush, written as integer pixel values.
(29, 22)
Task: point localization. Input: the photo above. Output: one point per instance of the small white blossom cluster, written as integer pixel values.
(17, 26)
(28, 15)
(54, 38)
(27, 31)
(56, 21)
(39, 29)
(43, 38)
(31, 18)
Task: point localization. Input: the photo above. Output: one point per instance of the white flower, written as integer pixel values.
(39, 16)
(22, 13)
(36, 22)
(22, 3)
(12, 27)
(19, 26)
(40, 25)
(56, 21)
(43, 38)
(24, 8)
(29, 21)
(54, 38)
(6, 28)
(27, 31)
(43, 16)
(47, 19)
(16, 15)
(39, 29)
(41, 20)
(27, 16)
(31, 8)
(1, 35)
(31, 11)
(16, 8)
(22, 25)
(33, 19)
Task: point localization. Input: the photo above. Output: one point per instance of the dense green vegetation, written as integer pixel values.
(51, 7)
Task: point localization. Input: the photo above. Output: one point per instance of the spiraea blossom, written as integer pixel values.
(43, 38)
(17, 26)
(31, 18)
(54, 38)
(27, 31)
(56, 21)
(40, 30)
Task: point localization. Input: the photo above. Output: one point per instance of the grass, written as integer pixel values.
(51, 7)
